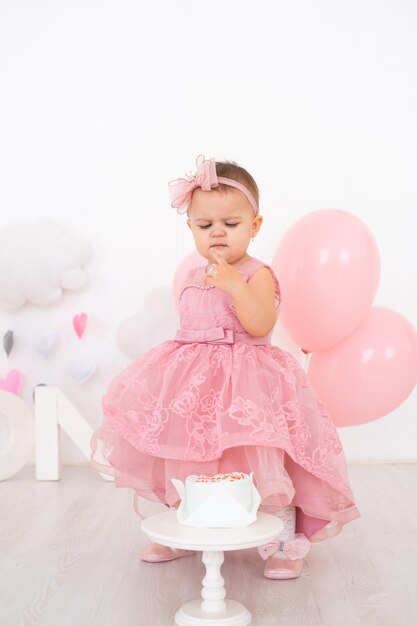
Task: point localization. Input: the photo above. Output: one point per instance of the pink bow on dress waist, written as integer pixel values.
(209, 335)
(295, 547)
(218, 334)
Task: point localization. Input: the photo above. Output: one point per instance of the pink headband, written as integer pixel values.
(181, 189)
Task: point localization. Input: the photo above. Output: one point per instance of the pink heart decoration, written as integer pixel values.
(80, 322)
(12, 382)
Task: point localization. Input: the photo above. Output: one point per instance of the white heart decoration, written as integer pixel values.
(82, 368)
(45, 344)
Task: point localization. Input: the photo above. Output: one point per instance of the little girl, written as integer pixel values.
(219, 397)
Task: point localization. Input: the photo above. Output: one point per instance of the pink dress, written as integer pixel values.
(216, 399)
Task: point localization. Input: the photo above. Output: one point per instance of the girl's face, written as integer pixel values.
(224, 220)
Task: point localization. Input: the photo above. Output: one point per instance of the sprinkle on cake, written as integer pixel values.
(201, 478)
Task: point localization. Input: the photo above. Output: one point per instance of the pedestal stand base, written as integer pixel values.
(191, 614)
(213, 608)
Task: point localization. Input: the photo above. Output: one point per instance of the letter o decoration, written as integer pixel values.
(16, 449)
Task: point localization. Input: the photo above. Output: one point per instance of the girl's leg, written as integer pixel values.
(287, 516)
(278, 565)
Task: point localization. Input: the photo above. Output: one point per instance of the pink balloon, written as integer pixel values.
(328, 267)
(189, 262)
(370, 372)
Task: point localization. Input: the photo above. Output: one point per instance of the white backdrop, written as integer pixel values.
(105, 101)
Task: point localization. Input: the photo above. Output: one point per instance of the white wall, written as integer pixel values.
(105, 101)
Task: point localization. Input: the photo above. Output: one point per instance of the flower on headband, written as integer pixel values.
(181, 189)
(191, 177)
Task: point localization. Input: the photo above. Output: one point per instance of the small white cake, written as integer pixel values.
(220, 501)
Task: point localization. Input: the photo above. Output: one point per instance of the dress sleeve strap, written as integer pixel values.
(254, 266)
(192, 276)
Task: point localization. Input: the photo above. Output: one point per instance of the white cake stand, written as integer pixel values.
(214, 609)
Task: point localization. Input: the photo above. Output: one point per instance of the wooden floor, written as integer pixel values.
(68, 557)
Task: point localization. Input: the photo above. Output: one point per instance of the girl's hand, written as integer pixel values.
(224, 276)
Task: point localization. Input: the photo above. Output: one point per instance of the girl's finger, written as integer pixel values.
(219, 257)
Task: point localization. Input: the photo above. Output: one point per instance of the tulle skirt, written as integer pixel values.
(203, 408)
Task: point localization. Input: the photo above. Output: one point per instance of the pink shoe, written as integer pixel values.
(281, 569)
(156, 553)
(296, 546)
